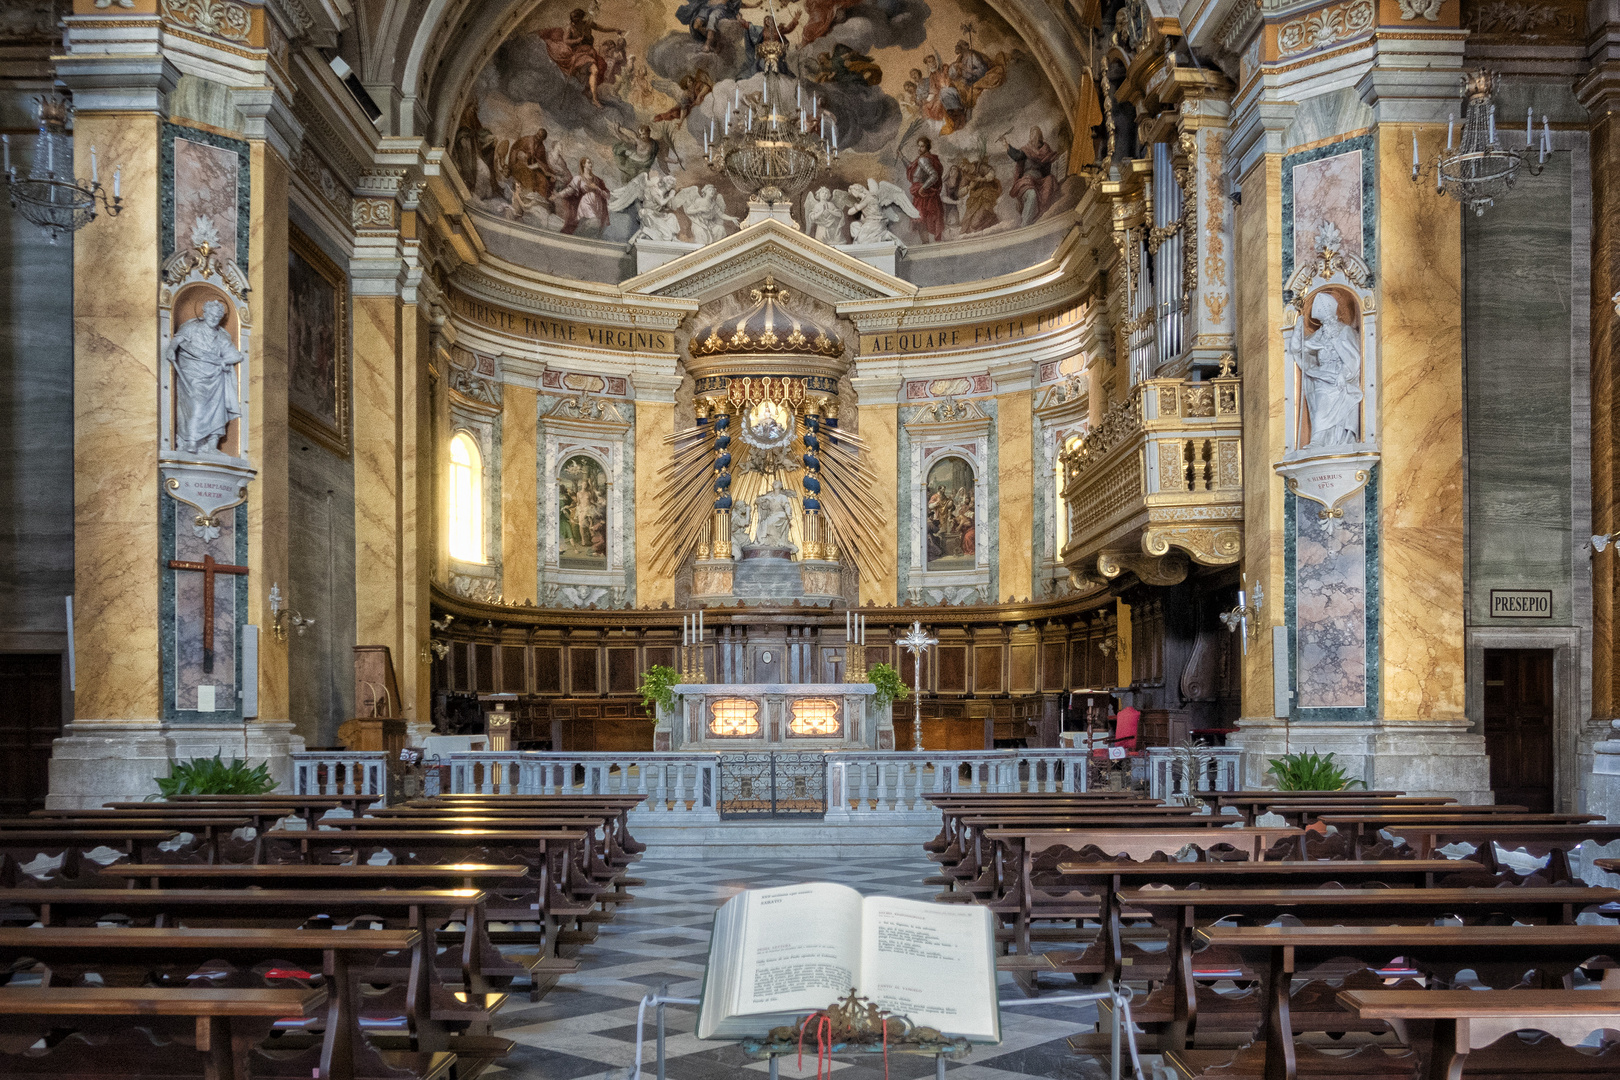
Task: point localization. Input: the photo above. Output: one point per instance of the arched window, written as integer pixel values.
(466, 500)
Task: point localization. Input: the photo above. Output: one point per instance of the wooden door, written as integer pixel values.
(1519, 725)
(31, 687)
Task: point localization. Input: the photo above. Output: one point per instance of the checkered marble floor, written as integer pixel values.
(586, 1026)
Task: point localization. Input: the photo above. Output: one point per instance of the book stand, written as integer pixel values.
(854, 1025)
(774, 1052)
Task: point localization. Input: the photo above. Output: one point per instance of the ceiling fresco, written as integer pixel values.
(939, 97)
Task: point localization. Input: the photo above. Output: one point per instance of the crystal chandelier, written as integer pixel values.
(50, 196)
(770, 152)
(1478, 168)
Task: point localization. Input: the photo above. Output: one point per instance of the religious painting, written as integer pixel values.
(317, 345)
(593, 121)
(951, 513)
(582, 524)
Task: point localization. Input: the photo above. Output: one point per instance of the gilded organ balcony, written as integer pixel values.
(1158, 482)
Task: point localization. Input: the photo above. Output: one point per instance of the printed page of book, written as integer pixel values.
(779, 952)
(933, 963)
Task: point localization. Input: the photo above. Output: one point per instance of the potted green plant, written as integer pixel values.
(211, 776)
(889, 686)
(1310, 771)
(658, 689)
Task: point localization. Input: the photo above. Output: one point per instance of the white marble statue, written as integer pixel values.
(824, 214)
(742, 516)
(1329, 362)
(874, 207)
(656, 194)
(774, 512)
(204, 359)
(706, 210)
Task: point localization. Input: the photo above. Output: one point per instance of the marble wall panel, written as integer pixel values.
(1517, 308)
(520, 548)
(654, 420)
(36, 428)
(879, 427)
(321, 585)
(205, 181)
(116, 535)
(183, 613)
(1330, 598)
(1258, 252)
(1015, 439)
(1322, 177)
(1421, 527)
(377, 481)
(1327, 190)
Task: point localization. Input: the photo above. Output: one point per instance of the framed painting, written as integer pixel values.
(317, 345)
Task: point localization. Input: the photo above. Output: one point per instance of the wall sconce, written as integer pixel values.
(1239, 616)
(282, 616)
(433, 648)
(1107, 645)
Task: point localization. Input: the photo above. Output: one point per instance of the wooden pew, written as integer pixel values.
(1500, 955)
(482, 876)
(434, 1011)
(223, 1025)
(1468, 1020)
(1556, 841)
(74, 844)
(1180, 1003)
(1021, 851)
(1110, 956)
(1251, 804)
(171, 956)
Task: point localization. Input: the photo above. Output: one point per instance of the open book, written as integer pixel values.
(778, 954)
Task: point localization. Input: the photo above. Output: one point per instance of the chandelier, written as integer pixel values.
(770, 152)
(1478, 169)
(50, 196)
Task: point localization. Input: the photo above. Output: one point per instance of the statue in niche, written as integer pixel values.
(1329, 361)
(774, 512)
(205, 360)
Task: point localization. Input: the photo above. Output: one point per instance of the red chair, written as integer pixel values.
(1126, 724)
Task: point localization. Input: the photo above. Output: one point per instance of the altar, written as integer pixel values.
(774, 716)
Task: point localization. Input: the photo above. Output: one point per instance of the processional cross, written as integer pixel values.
(209, 568)
(917, 642)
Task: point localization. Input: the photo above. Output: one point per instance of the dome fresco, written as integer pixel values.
(581, 106)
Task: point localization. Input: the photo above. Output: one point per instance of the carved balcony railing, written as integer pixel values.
(1158, 481)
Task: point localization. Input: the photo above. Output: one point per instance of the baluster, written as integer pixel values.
(865, 794)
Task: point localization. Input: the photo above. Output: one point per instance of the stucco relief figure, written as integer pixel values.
(204, 359)
(706, 209)
(656, 194)
(1329, 361)
(774, 511)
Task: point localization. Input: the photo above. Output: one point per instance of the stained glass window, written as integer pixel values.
(466, 500)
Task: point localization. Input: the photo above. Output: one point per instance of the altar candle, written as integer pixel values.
(835, 134)
(1414, 154)
(798, 96)
(1529, 123)
(1490, 120)
(1546, 137)
(93, 176)
(117, 175)
(700, 625)
(5, 141)
(750, 118)
(1451, 123)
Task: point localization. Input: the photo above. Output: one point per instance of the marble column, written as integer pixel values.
(878, 420)
(655, 419)
(1015, 453)
(520, 488)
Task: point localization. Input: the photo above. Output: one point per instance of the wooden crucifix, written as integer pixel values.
(209, 568)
